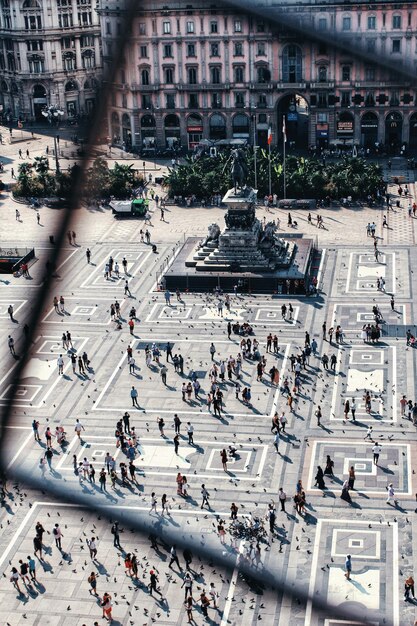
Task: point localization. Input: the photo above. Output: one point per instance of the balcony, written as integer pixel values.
(329, 84)
(262, 86)
(293, 86)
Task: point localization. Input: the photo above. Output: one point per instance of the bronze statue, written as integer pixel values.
(239, 169)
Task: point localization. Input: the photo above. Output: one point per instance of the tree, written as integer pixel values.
(305, 177)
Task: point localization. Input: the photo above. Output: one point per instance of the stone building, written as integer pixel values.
(194, 70)
(50, 55)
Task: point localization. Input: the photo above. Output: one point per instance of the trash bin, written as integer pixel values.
(51, 239)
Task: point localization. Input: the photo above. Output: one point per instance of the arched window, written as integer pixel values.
(69, 61)
(239, 74)
(292, 64)
(90, 83)
(396, 21)
(125, 120)
(115, 118)
(172, 121)
(148, 121)
(217, 127)
(144, 75)
(88, 59)
(4, 86)
(322, 74)
(71, 86)
(14, 89)
(263, 74)
(31, 4)
(39, 91)
(240, 124)
(215, 75)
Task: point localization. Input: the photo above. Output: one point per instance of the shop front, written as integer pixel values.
(322, 135)
(369, 130)
(194, 131)
(172, 131)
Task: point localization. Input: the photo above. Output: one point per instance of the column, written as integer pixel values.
(78, 53)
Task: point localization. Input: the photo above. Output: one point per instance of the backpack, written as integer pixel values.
(55, 531)
(113, 530)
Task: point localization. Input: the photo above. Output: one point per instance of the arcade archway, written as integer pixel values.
(393, 132)
(295, 109)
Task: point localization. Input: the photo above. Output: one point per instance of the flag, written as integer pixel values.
(269, 136)
(284, 130)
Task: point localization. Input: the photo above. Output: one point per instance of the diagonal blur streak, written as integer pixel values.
(268, 576)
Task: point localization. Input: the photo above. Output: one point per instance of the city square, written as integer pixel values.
(307, 551)
(208, 395)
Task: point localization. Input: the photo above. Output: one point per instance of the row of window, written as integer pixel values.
(37, 63)
(65, 20)
(321, 99)
(36, 45)
(347, 24)
(191, 49)
(371, 22)
(238, 51)
(263, 75)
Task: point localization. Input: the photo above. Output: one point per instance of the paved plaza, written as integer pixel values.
(307, 551)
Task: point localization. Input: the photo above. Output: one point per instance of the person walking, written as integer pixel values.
(14, 579)
(163, 373)
(134, 397)
(212, 350)
(174, 558)
(348, 566)
(276, 442)
(92, 580)
(153, 583)
(58, 536)
(92, 546)
(106, 605)
(154, 502)
(10, 343)
(176, 443)
(190, 433)
(32, 567)
(409, 588)
(205, 497)
(376, 450)
(187, 583)
(369, 433)
(115, 531)
(282, 497)
(78, 428)
(127, 290)
(223, 456)
(391, 495)
(88, 255)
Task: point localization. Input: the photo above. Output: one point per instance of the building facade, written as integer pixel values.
(197, 71)
(50, 56)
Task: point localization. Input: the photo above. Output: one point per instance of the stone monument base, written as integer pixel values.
(293, 278)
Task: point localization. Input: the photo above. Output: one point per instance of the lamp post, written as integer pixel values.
(255, 149)
(53, 113)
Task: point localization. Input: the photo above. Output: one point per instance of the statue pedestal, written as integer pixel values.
(243, 253)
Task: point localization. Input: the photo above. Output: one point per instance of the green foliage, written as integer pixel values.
(305, 177)
(102, 182)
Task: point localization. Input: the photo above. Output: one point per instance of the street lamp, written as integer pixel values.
(53, 113)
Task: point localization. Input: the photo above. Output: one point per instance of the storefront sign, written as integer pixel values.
(292, 117)
(345, 128)
(195, 129)
(322, 130)
(369, 125)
